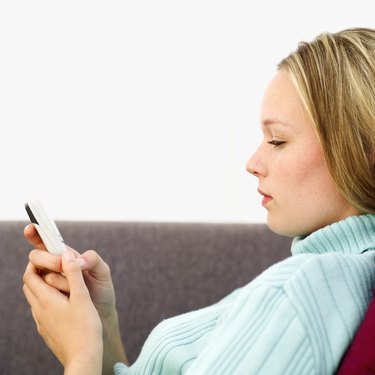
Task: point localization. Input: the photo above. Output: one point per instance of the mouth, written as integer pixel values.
(266, 198)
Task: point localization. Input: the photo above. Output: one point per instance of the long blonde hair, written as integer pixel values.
(335, 77)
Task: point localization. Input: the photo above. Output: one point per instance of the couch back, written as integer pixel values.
(159, 270)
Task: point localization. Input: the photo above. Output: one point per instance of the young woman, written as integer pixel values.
(315, 169)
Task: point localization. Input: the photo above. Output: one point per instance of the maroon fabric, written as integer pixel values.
(360, 356)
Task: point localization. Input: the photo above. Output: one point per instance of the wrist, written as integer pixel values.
(110, 323)
(114, 350)
(87, 363)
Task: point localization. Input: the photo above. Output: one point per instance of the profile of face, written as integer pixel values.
(297, 188)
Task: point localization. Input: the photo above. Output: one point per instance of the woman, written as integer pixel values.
(316, 174)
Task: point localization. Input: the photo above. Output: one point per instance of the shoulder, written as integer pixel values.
(323, 285)
(319, 268)
(334, 271)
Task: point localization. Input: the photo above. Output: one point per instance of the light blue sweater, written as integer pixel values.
(297, 317)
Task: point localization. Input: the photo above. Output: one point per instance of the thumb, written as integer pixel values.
(96, 265)
(73, 273)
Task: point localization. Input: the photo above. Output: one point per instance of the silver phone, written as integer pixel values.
(46, 227)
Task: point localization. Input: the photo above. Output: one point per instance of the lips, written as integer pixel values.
(266, 198)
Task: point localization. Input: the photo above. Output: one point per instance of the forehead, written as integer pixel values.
(282, 104)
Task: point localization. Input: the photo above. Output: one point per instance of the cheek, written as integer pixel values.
(312, 172)
(303, 176)
(303, 190)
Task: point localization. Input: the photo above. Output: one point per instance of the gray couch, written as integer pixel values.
(159, 270)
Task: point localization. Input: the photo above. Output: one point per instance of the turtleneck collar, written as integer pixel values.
(353, 235)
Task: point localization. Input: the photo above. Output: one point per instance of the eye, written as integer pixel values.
(275, 143)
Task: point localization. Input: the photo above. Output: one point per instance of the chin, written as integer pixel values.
(280, 227)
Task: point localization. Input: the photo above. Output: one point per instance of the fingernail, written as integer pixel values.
(82, 263)
(68, 255)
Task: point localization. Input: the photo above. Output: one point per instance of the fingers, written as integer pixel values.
(33, 237)
(45, 261)
(58, 281)
(96, 265)
(73, 273)
(75, 252)
(29, 296)
(38, 291)
(33, 302)
(49, 267)
(35, 289)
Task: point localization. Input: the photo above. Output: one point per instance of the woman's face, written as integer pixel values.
(298, 191)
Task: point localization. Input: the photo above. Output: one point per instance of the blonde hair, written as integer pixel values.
(335, 77)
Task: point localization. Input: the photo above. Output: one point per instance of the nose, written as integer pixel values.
(256, 164)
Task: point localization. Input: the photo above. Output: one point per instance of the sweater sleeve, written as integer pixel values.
(175, 342)
(261, 334)
(255, 330)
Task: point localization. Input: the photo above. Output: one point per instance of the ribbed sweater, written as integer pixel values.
(297, 317)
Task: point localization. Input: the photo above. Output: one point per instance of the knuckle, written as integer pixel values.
(92, 253)
(39, 328)
(99, 259)
(25, 277)
(33, 254)
(50, 278)
(44, 260)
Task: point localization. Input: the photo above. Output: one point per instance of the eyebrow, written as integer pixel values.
(275, 121)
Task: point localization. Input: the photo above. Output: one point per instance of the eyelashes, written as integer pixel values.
(275, 143)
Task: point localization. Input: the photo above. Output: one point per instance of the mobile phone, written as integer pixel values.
(46, 227)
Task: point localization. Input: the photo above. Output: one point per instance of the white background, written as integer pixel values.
(143, 110)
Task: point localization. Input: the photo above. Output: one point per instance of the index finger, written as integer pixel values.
(33, 237)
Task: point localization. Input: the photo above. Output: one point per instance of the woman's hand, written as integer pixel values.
(97, 276)
(70, 326)
(96, 272)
